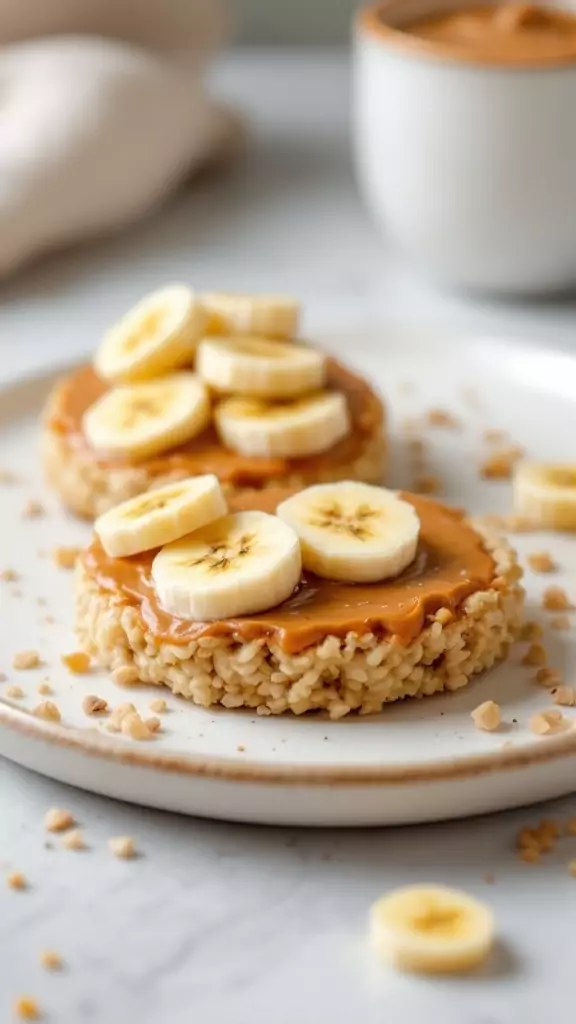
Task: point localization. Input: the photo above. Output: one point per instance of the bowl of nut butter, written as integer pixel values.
(465, 138)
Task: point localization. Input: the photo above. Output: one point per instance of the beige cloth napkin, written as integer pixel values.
(103, 112)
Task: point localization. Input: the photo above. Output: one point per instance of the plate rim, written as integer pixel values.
(542, 751)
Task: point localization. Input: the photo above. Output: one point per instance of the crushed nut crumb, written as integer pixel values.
(531, 856)
(26, 659)
(541, 561)
(158, 705)
(58, 820)
(549, 677)
(51, 960)
(487, 716)
(152, 724)
(122, 846)
(442, 418)
(44, 689)
(77, 662)
(9, 576)
(26, 1008)
(114, 723)
(33, 510)
(555, 599)
(500, 464)
(427, 484)
(531, 631)
(124, 675)
(535, 655)
(532, 842)
(15, 692)
(240, 748)
(65, 558)
(49, 620)
(565, 696)
(73, 840)
(546, 722)
(48, 711)
(92, 705)
(494, 436)
(16, 880)
(133, 726)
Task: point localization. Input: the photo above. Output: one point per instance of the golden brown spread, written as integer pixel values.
(451, 563)
(205, 453)
(512, 33)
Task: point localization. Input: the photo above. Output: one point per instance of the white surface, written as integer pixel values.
(525, 391)
(220, 923)
(471, 168)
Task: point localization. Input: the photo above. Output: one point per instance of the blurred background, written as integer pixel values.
(209, 141)
(300, 22)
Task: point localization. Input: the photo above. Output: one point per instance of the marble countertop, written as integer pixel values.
(229, 924)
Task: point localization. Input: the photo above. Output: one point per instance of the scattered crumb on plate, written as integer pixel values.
(26, 659)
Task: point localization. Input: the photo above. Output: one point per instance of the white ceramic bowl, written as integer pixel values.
(469, 167)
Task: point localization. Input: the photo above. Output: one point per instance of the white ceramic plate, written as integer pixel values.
(417, 761)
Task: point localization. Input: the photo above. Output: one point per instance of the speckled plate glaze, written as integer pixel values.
(418, 761)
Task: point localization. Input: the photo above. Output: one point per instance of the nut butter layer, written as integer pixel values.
(89, 484)
(334, 646)
(451, 564)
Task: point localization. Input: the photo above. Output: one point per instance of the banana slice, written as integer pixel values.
(431, 929)
(241, 564)
(353, 532)
(273, 316)
(289, 430)
(159, 334)
(161, 516)
(545, 492)
(139, 420)
(261, 368)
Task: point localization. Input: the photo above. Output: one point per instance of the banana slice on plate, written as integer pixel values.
(290, 430)
(431, 929)
(273, 316)
(161, 516)
(159, 334)
(243, 563)
(353, 532)
(545, 492)
(136, 421)
(258, 367)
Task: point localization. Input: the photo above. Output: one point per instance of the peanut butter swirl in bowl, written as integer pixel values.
(514, 33)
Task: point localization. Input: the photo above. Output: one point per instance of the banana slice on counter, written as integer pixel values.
(261, 368)
(290, 430)
(273, 316)
(136, 421)
(161, 516)
(545, 492)
(353, 532)
(431, 929)
(159, 334)
(241, 564)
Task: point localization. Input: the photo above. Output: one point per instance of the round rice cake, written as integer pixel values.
(89, 484)
(334, 646)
